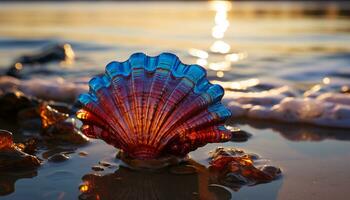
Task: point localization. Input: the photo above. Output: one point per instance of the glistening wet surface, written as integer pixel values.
(314, 162)
(300, 45)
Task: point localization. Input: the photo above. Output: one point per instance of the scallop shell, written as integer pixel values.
(154, 106)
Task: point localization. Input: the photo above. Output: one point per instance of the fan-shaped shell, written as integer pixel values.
(153, 106)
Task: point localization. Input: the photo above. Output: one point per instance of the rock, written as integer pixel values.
(56, 150)
(97, 168)
(15, 159)
(55, 126)
(65, 132)
(238, 135)
(11, 103)
(29, 146)
(273, 171)
(51, 53)
(105, 164)
(83, 153)
(50, 116)
(60, 157)
(234, 168)
(12, 157)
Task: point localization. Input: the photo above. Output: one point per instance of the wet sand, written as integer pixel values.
(314, 161)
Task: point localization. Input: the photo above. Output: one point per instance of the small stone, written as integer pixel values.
(50, 116)
(274, 172)
(239, 135)
(83, 153)
(105, 164)
(65, 132)
(12, 102)
(253, 156)
(14, 159)
(60, 157)
(97, 168)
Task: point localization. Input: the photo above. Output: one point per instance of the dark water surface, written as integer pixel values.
(297, 44)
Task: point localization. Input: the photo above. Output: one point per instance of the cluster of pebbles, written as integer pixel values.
(37, 125)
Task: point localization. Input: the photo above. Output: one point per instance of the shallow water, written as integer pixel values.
(278, 44)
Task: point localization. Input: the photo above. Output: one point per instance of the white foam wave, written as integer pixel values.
(327, 109)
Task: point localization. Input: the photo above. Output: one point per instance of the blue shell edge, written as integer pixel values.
(167, 61)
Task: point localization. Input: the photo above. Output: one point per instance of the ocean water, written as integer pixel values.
(247, 46)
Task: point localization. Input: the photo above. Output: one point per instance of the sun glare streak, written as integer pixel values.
(220, 47)
(326, 80)
(198, 53)
(221, 22)
(221, 25)
(220, 74)
(239, 85)
(220, 66)
(234, 57)
(202, 62)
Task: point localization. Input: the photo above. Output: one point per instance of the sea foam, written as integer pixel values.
(316, 106)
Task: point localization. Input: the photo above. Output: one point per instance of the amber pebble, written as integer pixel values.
(97, 168)
(183, 170)
(50, 116)
(6, 139)
(59, 157)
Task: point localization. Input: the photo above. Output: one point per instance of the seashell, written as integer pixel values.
(154, 106)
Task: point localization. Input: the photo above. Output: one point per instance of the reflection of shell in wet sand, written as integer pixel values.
(129, 184)
(153, 106)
